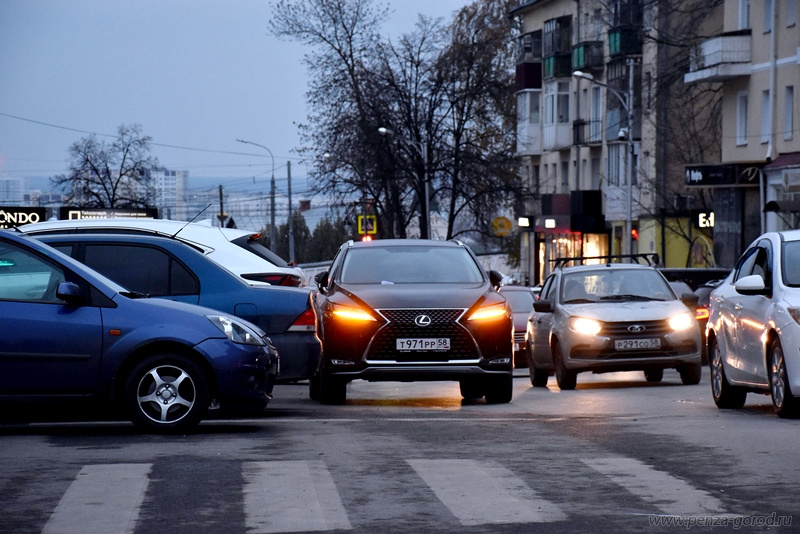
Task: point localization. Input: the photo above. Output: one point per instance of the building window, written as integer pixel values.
(563, 102)
(741, 118)
(744, 14)
(788, 113)
(534, 107)
(768, 16)
(615, 154)
(522, 107)
(565, 177)
(766, 116)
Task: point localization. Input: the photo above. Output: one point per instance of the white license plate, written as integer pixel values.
(637, 344)
(423, 343)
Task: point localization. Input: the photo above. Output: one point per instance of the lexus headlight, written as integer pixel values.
(493, 311)
(682, 321)
(351, 313)
(235, 330)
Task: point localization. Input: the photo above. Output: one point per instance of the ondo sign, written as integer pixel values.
(11, 217)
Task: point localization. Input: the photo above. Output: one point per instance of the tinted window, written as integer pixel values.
(26, 277)
(143, 269)
(412, 264)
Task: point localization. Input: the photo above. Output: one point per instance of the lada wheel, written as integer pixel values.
(654, 375)
(499, 389)
(725, 395)
(565, 378)
(166, 392)
(690, 373)
(783, 402)
(538, 376)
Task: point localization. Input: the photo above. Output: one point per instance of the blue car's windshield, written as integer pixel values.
(413, 264)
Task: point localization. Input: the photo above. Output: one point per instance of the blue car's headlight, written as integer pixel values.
(236, 331)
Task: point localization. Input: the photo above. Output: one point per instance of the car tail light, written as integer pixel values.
(276, 279)
(305, 322)
(701, 313)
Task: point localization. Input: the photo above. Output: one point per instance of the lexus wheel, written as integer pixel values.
(499, 389)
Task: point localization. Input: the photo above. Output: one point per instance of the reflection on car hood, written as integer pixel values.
(627, 310)
(417, 295)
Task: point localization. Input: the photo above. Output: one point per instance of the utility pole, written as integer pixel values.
(291, 227)
(221, 215)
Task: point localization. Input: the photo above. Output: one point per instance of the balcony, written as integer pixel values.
(587, 55)
(721, 58)
(587, 132)
(528, 76)
(529, 139)
(625, 41)
(558, 66)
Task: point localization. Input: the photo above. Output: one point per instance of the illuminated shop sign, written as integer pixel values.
(13, 216)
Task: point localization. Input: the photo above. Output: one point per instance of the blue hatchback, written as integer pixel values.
(70, 334)
(167, 268)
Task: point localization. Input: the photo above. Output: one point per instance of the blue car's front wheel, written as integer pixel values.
(166, 392)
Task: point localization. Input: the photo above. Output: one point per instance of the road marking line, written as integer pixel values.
(102, 498)
(291, 496)
(479, 493)
(671, 495)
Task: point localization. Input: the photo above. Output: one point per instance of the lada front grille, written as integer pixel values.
(401, 324)
(635, 329)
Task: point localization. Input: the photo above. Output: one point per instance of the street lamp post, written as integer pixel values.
(627, 103)
(271, 193)
(422, 148)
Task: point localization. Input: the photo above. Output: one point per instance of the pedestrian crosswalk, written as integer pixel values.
(303, 495)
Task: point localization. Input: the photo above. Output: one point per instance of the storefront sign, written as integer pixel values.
(11, 217)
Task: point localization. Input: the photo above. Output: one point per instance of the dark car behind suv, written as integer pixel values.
(412, 309)
(166, 268)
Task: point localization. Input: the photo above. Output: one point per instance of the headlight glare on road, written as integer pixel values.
(682, 321)
(586, 326)
(236, 331)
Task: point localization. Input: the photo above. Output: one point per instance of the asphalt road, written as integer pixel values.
(616, 454)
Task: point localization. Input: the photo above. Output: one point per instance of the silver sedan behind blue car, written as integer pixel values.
(68, 334)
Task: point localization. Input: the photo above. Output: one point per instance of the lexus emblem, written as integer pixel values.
(636, 328)
(422, 320)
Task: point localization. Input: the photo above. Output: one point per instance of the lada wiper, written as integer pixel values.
(578, 301)
(627, 296)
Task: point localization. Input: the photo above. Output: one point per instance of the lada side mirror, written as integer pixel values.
(543, 306)
(690, 300)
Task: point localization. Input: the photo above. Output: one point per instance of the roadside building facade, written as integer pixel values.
(594, 88)
(755, 60)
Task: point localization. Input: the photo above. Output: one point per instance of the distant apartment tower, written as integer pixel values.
(12, 191)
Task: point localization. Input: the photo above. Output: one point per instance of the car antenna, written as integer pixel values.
(199, 213)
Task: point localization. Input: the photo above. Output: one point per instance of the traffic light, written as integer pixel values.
(634, 234)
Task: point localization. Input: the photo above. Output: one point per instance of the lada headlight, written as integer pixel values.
(682, 321)
(235, 330)
(584, 325)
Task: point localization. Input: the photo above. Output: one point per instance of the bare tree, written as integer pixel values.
(115, 175)
(436, 88)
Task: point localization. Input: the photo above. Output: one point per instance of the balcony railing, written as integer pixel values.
(625, 41)
(587, 55)
(587, 132)
(721, 58)
(559, 66)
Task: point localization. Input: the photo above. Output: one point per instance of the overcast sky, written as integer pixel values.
(196, 74)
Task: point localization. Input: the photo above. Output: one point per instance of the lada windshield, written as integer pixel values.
(614, 284)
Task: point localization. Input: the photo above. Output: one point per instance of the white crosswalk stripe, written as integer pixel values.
(480, 493)
(669, 494)
(102, 498)
(291, 496)
(301, 496)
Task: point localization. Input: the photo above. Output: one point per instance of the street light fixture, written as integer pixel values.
(422, 148)
(271, 193)
(626, 99)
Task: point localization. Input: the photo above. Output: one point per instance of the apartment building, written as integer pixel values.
(755, 60)
(605, 170)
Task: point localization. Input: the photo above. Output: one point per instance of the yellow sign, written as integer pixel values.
(367, 224)
(501, 226)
